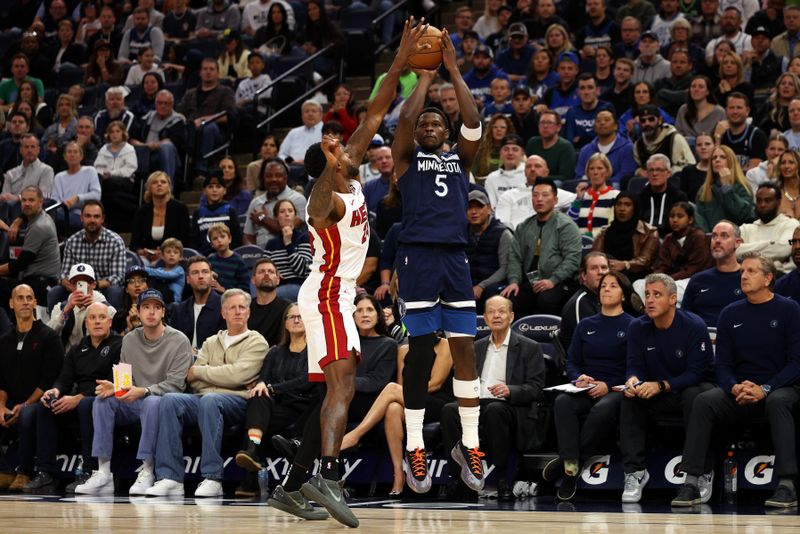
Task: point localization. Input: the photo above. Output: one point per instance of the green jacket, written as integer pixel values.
(560, 253)
(734, 203)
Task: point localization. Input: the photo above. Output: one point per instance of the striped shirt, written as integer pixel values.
(106, 255)
(231, 271)
(594, 211)
(293, 261)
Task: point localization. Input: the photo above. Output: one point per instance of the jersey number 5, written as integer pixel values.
(441, 186)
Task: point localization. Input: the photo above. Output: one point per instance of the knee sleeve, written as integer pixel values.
(417, 370)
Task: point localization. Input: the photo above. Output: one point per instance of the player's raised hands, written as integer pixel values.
(331, 148)
(448, 51)
(409, 42)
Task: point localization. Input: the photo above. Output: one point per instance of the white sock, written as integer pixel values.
(104, 465)
(414, 420)
(147, 466)
(469, 425)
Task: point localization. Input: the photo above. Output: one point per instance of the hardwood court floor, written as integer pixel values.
(121, 515)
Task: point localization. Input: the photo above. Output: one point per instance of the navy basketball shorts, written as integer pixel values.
(435, 290)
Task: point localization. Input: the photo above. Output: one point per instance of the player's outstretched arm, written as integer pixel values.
(324, 206)
(359, 141)
(470, 118)
(403, 144)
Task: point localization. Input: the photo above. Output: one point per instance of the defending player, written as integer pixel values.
(432, 266)
(339, 233)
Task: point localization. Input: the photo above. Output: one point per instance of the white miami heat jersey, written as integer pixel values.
(339, 251)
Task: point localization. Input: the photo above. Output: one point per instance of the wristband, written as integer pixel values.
(471, 134)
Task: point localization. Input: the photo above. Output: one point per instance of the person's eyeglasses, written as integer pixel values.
(137, 281)
(645, 120)
(794, 242)
(294, 318)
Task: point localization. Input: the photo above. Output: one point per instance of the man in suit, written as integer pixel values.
(511, 370)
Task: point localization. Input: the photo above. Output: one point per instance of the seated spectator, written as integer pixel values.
(725, 194)
(269, 149)
(151, 84)
(180, 23)
(788, 178)
(109, 33)
(630, 243)
(75, 185)
(116, 165)
(613, 144)
(683, 253)
(509, 389)
(236, 194)
(516, 59)
(774, 114)
(126, 317)
(159, 218)
(280, 397)
(275, 35)
(290, 251)
(142, 34)
(198, 316)
(99, 247)
(57, 134)
(564, 94)
(700, 113)
(487, 159)
(115, 110)
(261, 225)
(145, 64)
(214, 210)
(747, 141)
(620, 95)
(793, 133)
(498, 100)
(663, 379)
(42, 113)
(643, 95)
(86, 139)
(538, 283)
(28, 368)
(64, 50)
(163, 132)
(72, 396)
(487, 250)
(671, 92)
(257, 13)
(9, 88)
(731, 25)
(579, 120)
(511, 174)
(789, 284)
(650, 66)
(658, 138)
(555, 150)
(200, 103)
(10, 155)
(732, 79)
(215, 18)
(776, 146)
(248, 87)
(26, 107)
(659, 195)
(225, 365)
(757, 378)
(294, 145)
(342, 110)
(69, 316)
(318, 33)
(771, 232)
(596, 360)
(585, 301)
(709, 291)
(227, 265)
(232, 63)
(160, 357)
(694, 176)
(524, 119)
(171, 273)
(39, 262)
(156, 16)
(593, 205)
(30, 172)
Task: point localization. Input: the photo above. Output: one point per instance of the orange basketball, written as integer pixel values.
(429, 51)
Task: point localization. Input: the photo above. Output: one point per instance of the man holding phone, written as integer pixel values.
(68, 317)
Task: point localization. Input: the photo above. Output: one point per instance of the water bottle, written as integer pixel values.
(730, 471)
(78, 471)
(263, 482)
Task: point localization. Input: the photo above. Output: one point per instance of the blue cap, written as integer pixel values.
(135, 270)
(568, 56)
(150, 294)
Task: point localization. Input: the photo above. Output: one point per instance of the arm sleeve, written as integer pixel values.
(25, 258)
(157, 42)
(117, 261)
(575, 357)
(66, 377)
(94, 192)
(503, 248)
(514, 269)
(300, 257)
(635, 364)
(53, 359)
(125, 47)
(381, 371)
(571, 247)
(698, 255)
(130, 163)
(790, 373)
(737, 204)
(723, 358)
(175, 381)
(698, 358)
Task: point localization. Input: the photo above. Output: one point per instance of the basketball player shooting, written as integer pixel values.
(339, 234)
(432, 266)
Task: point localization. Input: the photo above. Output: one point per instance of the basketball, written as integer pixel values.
(429, 54)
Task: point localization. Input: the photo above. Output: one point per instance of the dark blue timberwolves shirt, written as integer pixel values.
(434, 191)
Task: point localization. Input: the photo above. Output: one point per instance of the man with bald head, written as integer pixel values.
(72, 396)
(31, 355)
(514, 206)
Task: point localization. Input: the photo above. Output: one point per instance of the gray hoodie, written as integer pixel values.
(160, 365)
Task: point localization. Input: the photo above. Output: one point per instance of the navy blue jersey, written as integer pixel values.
(434, 191)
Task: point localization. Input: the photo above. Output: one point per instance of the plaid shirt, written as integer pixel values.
(106, 255)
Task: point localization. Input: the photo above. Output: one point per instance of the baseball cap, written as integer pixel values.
(648, 110)
(81, 269)
(136, 270)
(471, 34)
(377, 140)
(150, 294)
(517, 28)
(229, 35)
(485, 50)
(568, 56)
(760, 30)
(213, 178)
(651, 34)
(522, 90)
(479, 196)
(513, 139)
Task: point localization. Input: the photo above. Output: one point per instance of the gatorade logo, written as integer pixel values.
(758, 470)
(672, 471)
(596, 471)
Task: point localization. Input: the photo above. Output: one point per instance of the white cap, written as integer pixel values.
(81, 269)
